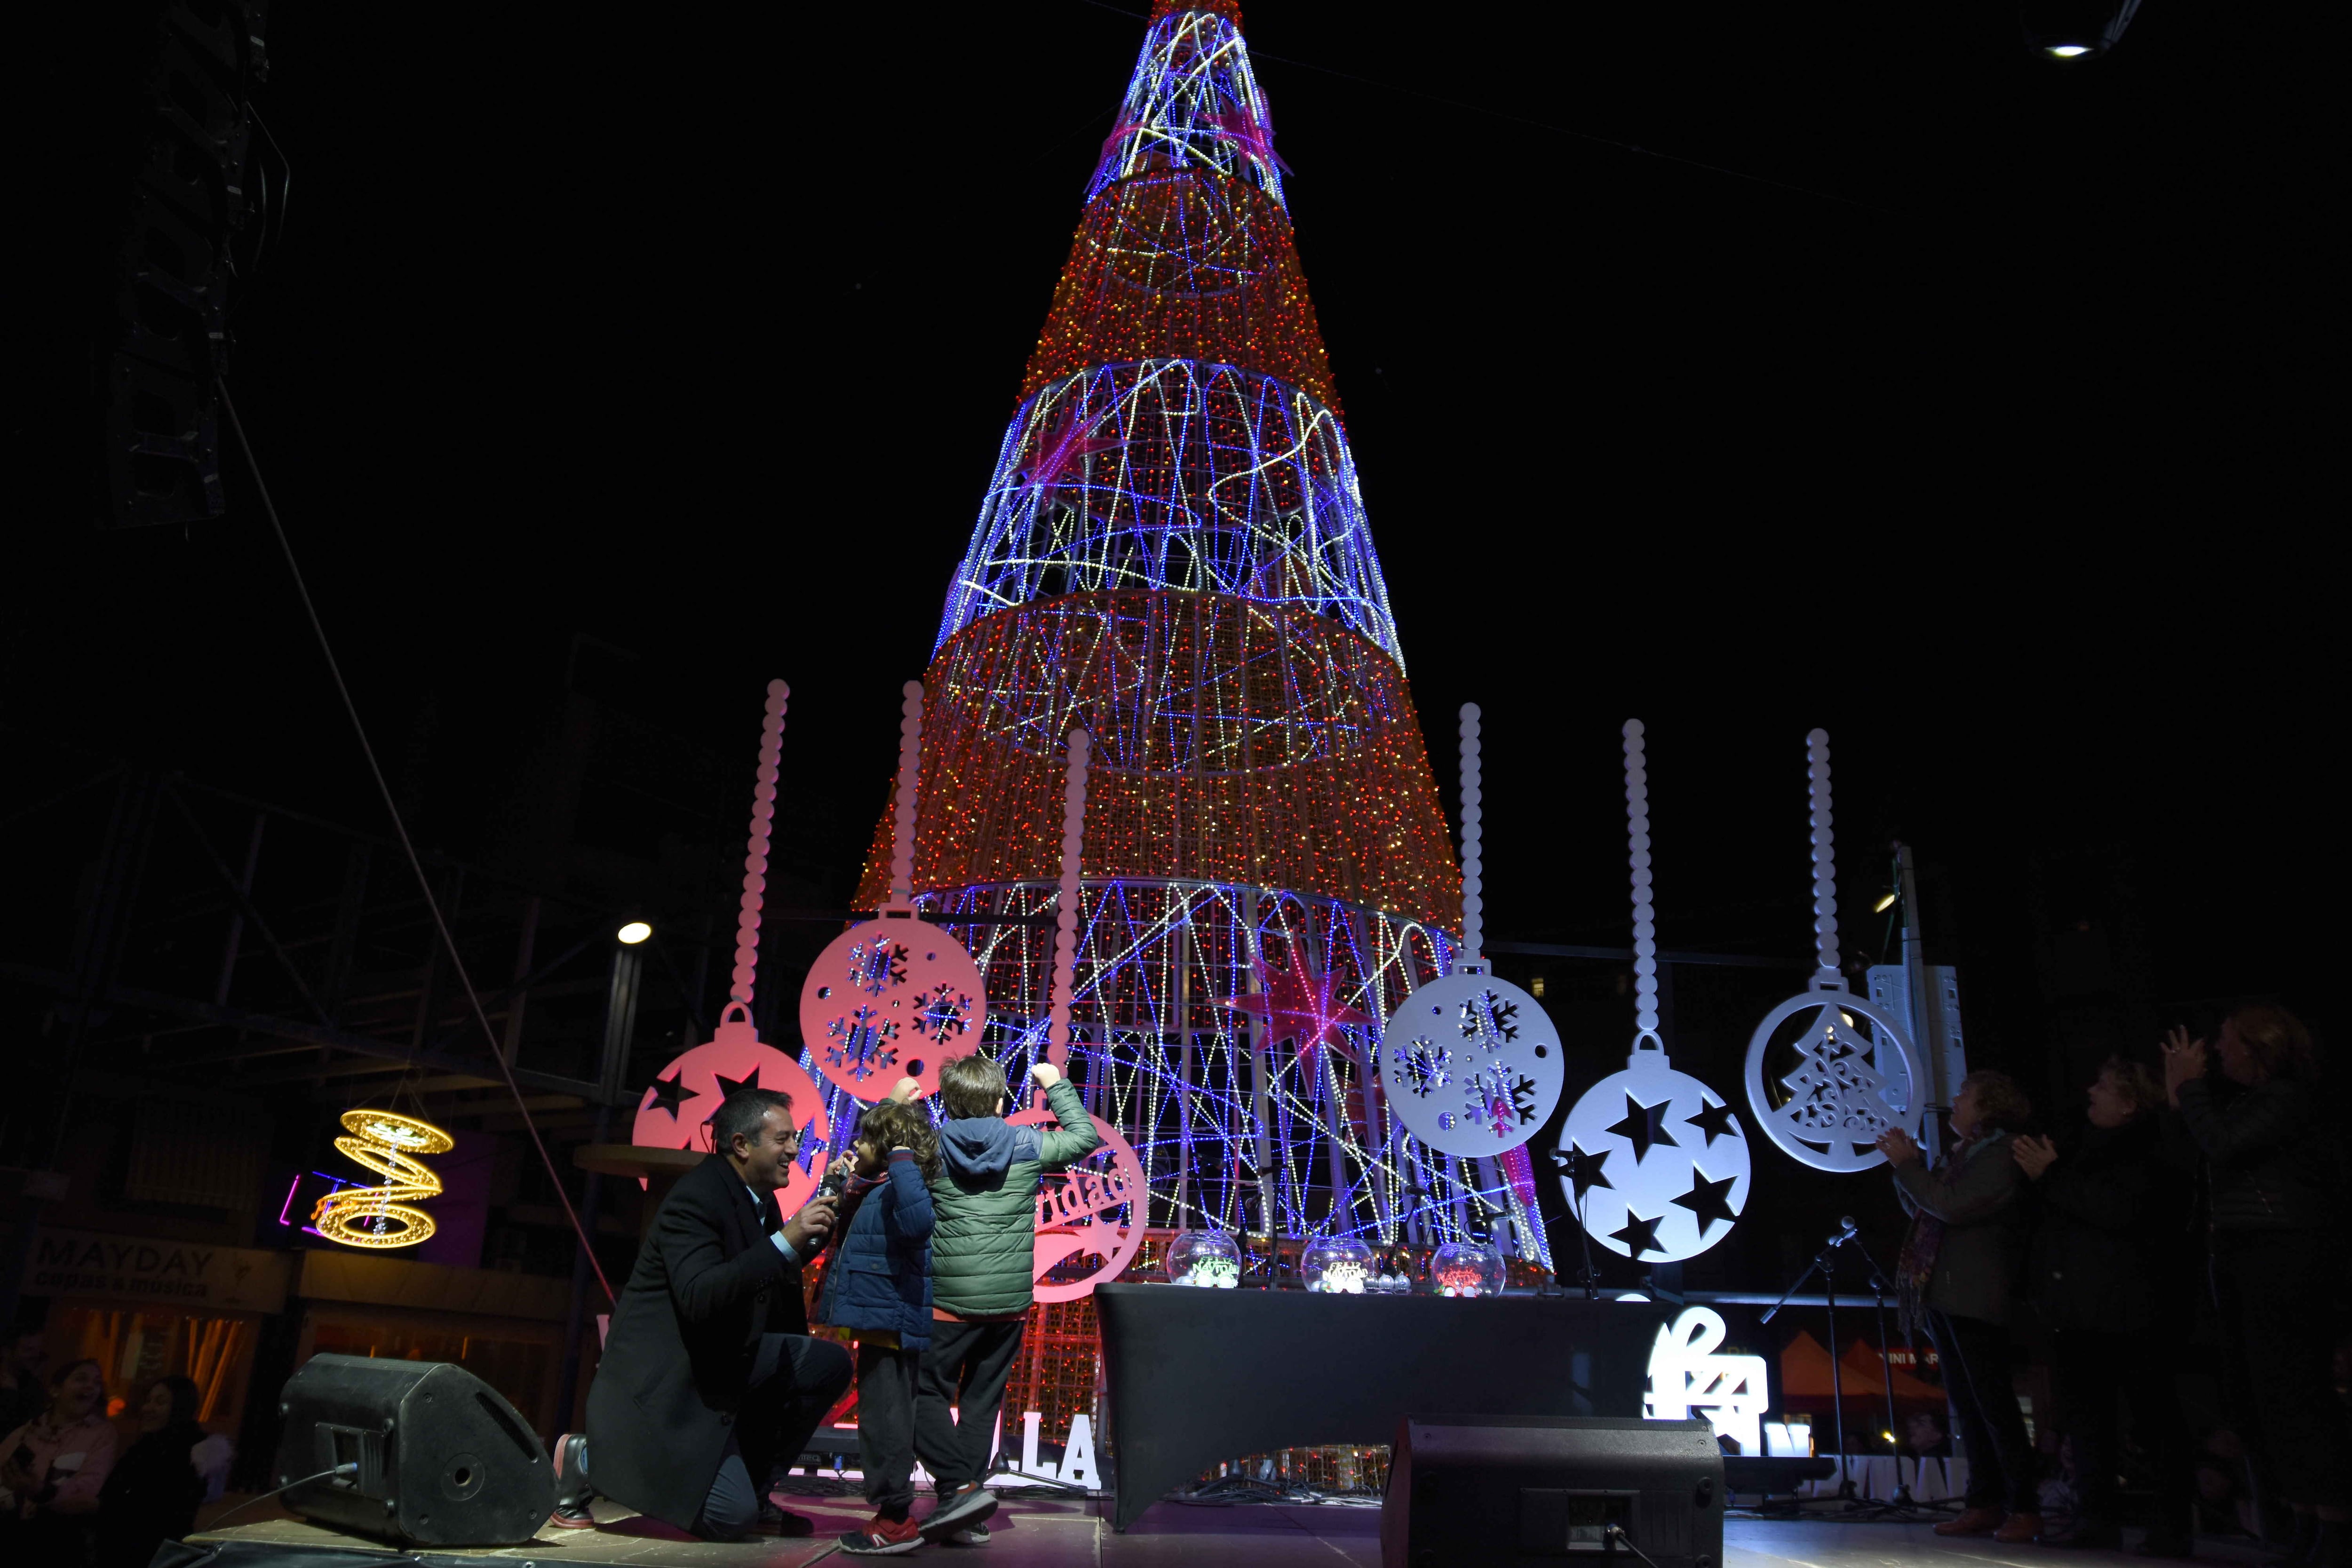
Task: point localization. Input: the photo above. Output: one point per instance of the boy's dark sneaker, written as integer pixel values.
(969, 1535)
(783, 1521)
(968, 1505)
(572, 1492)
(879, 1537)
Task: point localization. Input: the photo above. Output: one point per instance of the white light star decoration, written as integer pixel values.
(1657, 1167)
(1827, 1071)
(1471, 1063)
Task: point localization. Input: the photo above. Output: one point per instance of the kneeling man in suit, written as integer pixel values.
(709, 1376)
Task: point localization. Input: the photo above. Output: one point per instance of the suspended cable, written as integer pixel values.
(400, 829)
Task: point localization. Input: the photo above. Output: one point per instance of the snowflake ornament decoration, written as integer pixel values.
(943, 1014)
(860, 1045)
(1421, 1067)
(892, 997)
(1656, 1166)
(1472, 1065)
(1828, 1072)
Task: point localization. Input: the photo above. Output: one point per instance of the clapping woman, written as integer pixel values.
(1957, 1278)
(2097, 1281)
(2272, 1176)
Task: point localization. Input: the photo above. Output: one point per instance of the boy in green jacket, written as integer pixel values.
(984, 1245)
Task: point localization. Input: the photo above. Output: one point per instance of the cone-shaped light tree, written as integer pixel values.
(1173, 553)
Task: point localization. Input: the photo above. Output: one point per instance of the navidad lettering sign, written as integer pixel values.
(144, 1270)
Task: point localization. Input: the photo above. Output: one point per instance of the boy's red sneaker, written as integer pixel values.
(879, 1537)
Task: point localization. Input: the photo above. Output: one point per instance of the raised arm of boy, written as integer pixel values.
(1075, 1138)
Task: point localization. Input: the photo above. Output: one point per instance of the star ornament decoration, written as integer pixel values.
(1662, 1167)
(1295, 1003)
(676, 1108)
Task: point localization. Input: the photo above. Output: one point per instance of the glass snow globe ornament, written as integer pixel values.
(1466, 1268)
(1209, 1259)
(1336, 1264)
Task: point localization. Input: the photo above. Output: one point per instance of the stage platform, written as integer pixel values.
(1058, 1533)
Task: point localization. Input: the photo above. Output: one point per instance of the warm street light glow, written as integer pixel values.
(634, 932)
(2068, 51)
(1884, 903)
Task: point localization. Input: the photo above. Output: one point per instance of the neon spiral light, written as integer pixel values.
(385, 1215)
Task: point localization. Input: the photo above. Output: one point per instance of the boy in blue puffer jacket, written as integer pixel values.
(880, 1284)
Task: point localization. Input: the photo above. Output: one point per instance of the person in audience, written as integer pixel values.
(1957, 1279)
(51, 1468)
(23, 1393)
(2095, 1277)
(150, 1495)
(1923, 1435)
(2273, 1188)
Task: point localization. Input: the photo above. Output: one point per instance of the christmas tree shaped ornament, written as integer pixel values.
(1827, 1071)
(895, 996)
(1656, 1166)
(676, 1111)
(1471, 1063)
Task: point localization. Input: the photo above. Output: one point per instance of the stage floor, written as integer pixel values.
(1052, 1533)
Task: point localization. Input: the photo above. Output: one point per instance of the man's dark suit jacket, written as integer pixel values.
(707, 1284)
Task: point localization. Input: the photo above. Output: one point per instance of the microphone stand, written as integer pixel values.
(1902, 1503)
(1571, 1160)
(1824, 1261)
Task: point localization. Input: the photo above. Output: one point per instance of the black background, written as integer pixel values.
(1907, 385)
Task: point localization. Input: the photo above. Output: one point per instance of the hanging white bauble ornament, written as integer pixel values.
(1471, 1063)
(1659, 1168)
(1827, 1073)
(892, 997)
(1840, 1072)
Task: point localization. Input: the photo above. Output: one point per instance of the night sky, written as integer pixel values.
(1961, 406)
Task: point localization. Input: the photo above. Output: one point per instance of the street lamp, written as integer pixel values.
(2067, 30)
(633, 934)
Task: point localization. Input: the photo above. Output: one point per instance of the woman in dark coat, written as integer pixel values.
(2272, 1188)
(150, 1495)
(2097, 1278)
(1958, 1280)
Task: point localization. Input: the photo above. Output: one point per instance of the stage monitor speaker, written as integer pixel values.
(443, 1461)
(1519, 1492)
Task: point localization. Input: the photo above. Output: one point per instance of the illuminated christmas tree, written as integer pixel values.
(1173, 552)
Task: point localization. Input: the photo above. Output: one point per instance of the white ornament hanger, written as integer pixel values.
(1853, 1073)
(1471, 1063)
(1068, 907)
(895, 996)
(1657, 1167)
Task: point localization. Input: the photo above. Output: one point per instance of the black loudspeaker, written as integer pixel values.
(1518, 1491)
(443, 1461)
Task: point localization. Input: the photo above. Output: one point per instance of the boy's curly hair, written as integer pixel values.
(900, 1124)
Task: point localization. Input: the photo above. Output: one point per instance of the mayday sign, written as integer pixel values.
(141, 1269)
